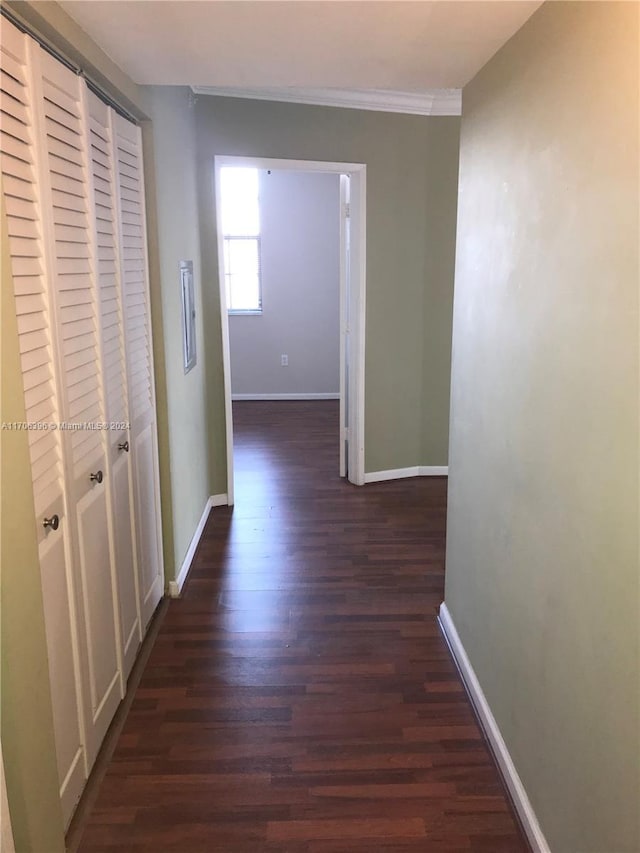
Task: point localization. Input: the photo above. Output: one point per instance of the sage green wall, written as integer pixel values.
(26, 722)
(174, 167)
(542, 551)
(442, 204)
(411, 177)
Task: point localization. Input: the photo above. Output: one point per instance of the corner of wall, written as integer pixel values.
(158, 351)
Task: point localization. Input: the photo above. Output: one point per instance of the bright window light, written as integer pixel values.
(240, 218)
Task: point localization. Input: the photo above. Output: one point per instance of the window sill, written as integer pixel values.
(236, 313)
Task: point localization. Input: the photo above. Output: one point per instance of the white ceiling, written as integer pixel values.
(409, 46)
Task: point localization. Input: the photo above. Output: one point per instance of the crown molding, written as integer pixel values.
(430, 102)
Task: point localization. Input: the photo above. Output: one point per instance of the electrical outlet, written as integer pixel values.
(284, 360)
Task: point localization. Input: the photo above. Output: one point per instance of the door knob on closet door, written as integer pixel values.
(96, 478)
(124, 445)
(53, 523)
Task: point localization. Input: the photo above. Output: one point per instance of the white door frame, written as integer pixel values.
(356, 300)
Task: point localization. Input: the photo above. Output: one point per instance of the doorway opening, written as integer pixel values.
(241, 292)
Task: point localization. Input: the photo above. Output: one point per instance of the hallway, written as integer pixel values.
(299, 696)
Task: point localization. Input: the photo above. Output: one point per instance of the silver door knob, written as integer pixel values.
(51, 523)
(96, 478)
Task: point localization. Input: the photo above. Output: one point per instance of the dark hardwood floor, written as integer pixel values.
(299, 696)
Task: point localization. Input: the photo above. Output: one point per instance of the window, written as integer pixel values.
(240, 217)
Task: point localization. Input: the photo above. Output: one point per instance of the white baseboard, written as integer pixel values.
(507, 768)
(401, 473)
(175, 587)
(319, 396)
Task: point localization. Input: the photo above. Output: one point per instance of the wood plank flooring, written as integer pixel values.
(299, 697)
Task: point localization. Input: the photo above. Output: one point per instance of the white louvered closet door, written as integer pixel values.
(103, 192)
(64, 174)
(137, 324)
(24, 204)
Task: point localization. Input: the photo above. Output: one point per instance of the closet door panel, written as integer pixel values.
(138, 346)
(147, 516)
(114, 369)
(93, 549)
(60, 643)
(66, 177)
(22, 193)
(125, 557)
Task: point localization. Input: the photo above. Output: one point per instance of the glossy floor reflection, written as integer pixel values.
(299, 696)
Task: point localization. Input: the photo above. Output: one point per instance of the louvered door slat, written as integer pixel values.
(42, 444)
(13, 108)
(81, 409)
(17, 188)
(32, 304)
(67, 168)
(36, 394)
(37, 377)
(77, 311)
(22, 247)
(80, 388)
(66, 114)
(111, 320)
(45, 412)
(58, 91)
(61, 134)
(83, 371)
(76, 282)
(14, 124)
(74, 346)
(27, 285)
(10, 86)
(16, 167)
(64, 150)
(32, 322)
(129, 172)
(68, 201)
(132, 208)
(26, 229)
(21, 208)
(67, 216)
(17, 144)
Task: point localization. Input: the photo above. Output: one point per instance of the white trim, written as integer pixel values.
(391, 474)
(345, 227)
(488, 721)
(401, 473)
(430, 102)
(224, 326)
(303, 396)
(289, 165)
(357, 297)
(433, 471)
(175, 587)
(219, 500)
